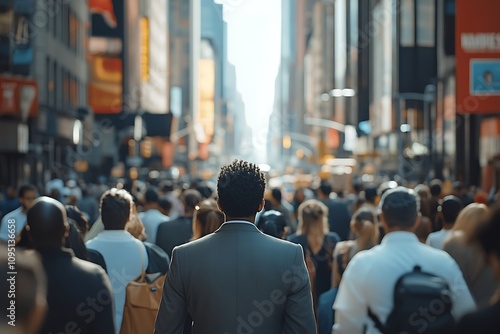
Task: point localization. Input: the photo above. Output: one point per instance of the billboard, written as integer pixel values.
(478, 56)
(154, 56)
(105, 52)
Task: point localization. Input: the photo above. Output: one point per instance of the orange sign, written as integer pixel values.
(105, 87)
(18, 96)
(478, 56)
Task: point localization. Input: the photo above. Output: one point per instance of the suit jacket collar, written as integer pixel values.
(238, 225)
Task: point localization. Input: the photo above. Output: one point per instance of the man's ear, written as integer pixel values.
(417, 222)
(381, 218)
(218, 206)
(261, 205)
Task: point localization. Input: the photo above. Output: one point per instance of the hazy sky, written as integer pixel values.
(254, 37)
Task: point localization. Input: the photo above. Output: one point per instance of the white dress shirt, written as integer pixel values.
(19, 219)
(151, 219)
(437, 239)
(124, 263)
(371, 275)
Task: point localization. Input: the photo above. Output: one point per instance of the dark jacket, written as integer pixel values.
(339, 217)
(174, 233)
(484, 321)
(79, 295)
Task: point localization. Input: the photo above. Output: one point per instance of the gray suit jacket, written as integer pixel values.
(237, 280)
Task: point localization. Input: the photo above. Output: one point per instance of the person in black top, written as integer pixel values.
(79, 294)
(180, 230)
(487, 320)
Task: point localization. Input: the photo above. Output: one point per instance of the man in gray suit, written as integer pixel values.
(238, 280)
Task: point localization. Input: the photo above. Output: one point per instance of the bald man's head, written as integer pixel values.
(47, 223)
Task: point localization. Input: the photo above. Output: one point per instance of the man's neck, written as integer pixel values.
(448, 226)
(250, 219)
(152, 207)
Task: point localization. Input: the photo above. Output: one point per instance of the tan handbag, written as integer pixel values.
(142, 301)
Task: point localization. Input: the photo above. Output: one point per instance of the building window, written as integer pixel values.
(50, 17)
(426, 22)
(407, 22)
(47, 82)
(57, 87)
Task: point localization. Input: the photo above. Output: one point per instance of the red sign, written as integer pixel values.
(18, 96)
(478, 56)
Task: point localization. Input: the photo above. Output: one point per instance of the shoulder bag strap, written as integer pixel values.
(143, 270)
(377, 322)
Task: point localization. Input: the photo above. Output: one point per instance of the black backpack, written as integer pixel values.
(422, 304)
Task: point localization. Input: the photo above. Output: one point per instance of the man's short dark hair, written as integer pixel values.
(24, 189)
(435, 187)
(325, 187)
(151, 196)
(240, 189)
(272, 223)
(451, 207)
(276, 194)
(400, 207)
(371, 193)
(115, 208)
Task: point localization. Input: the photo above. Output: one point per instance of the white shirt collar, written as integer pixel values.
(399, 236)
(115, 234)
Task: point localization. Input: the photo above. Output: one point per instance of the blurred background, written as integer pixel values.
(340, 90)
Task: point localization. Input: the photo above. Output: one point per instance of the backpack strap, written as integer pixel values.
(377, 322)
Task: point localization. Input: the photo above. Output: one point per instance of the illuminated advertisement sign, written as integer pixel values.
(105, 48)
(478, 56)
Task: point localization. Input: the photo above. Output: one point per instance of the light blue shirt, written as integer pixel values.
(125, 257)
(151, 219)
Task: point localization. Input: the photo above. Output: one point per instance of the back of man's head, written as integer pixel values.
(240, 189)
(400, 207)
(436, 186)
(24, 189)
(115, 208)
(276, 194)
(371, 193)
(325, 188)
(47, 223)
(29, 287)
(272, 223)
(151, 196)
(450, 208)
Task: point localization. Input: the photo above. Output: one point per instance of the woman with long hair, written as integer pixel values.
(206, 219)
(365, 231)
(318, 244)
(468, 256)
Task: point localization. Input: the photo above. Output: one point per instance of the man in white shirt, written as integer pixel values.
(448, 211)
(17, 218)
(152, 217)
(371, 275)
(124, 255)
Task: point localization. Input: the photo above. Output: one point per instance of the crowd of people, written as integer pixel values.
(78, 247)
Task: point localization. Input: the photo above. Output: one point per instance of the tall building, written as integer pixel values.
(43, 80)
(287, 118)
(129, 88)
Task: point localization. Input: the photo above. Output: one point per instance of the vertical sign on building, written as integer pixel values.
(478, 56)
